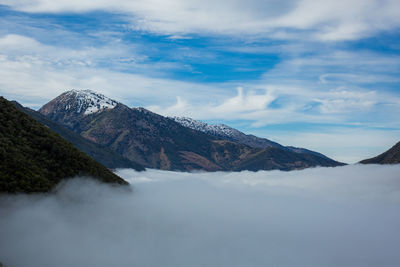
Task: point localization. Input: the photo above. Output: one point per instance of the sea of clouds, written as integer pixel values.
(344, 216)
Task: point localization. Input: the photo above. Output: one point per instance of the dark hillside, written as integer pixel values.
(34, 159)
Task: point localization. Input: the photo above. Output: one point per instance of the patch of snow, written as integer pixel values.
(213, 129)
(89, 102)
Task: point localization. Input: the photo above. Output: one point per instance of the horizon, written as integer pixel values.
(298, 73)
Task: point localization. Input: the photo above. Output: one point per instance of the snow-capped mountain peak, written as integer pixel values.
(88, 102)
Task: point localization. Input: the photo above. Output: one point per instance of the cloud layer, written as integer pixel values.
(323, 20)
(347, 216)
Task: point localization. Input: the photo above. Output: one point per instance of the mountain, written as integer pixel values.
(34, 159)
(228, 133)
(101, 154)
(76, 104)
(162, 143)
(283, 160)
(392, 156)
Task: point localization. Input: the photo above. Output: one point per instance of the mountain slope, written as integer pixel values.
(275, 158)
(392, 156)
(228, 133)
(101, 154)
(156, 141)
(150, 139)
(34, 159)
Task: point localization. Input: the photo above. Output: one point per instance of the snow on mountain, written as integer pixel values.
(226, 132)
(221, 130)
(229, 133)
(89, 102)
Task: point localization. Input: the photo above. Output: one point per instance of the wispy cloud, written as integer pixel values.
(276, 103)
(327, 20)
(34, 73)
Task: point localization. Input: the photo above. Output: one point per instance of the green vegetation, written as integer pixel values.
(34, 159)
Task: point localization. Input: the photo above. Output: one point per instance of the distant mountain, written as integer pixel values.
(102, 154)
(34, 159)
(284, 160)
(392, 156)
(228, 133)
(162, 143)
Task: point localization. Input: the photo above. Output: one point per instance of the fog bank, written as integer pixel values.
(344, 216)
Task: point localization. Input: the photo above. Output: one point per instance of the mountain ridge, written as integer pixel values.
(232, 134)
(162, 143)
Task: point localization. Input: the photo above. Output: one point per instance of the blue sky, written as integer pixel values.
(318, 74)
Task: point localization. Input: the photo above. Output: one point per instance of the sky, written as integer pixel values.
(344, 216)
(324, 75)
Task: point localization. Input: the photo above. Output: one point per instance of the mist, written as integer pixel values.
(343, 216)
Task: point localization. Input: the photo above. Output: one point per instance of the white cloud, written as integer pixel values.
(315, 217)
(34, 84)
(354, 85)
(355, 78)
(244, 103)
(302, 103)
(34, 73)
(181, 107)
(229, 107)
(344, 101)
(338, 20)
(327, 20)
